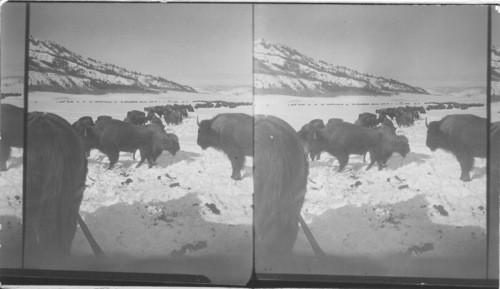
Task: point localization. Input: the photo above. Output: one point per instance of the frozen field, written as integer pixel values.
(186, 215)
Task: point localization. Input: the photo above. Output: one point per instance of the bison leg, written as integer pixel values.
(237, 161)
(343, 160)
(113, 157)
(466, 164)
(4, 155)
(143, 158)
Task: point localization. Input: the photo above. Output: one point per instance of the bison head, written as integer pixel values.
(309, 138)
(165, 142)
(435, 137)
(207, 137)
(171, 144)
(403, 146)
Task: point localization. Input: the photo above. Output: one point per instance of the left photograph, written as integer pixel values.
(12, 49)
(136, 175)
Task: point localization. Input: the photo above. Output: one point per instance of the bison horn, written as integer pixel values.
(426, 124)
(197, 121)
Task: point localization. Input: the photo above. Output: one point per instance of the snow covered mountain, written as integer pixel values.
(52, 67)
(279, 69)
(495, 73)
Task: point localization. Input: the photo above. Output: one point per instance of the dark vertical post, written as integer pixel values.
(25, 95)
(492, 196)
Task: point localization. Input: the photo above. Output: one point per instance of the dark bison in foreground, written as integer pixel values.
(114, 136)
(231, 133)
(11, 131)
(343, 139)
(280, 181)
(55, 181)
(305, 135)
(462, 135)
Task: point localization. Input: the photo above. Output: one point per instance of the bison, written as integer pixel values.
(55, 181)
(280, 182)
(305, 135)
(82, 124)
(333, 121)
(231, 133)
(343, 139)
(136, 117)
(391, 143)
(114, 136)
(162, 141)
(367, 119)
(151, 117)
(102, 117)
(172, 116)
(463, 135)
(404, 119)
(11, 131)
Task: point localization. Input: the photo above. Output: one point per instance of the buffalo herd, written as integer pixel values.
(57, 160)
(341, 139)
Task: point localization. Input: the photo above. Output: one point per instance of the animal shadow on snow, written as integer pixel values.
(355, 164)
(11, 239)
(396, 161)
(166, 159)
(163, 161)
(364, 230)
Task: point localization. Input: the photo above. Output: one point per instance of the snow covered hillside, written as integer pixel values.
(52, 67)
(495, 73)
(279, 69)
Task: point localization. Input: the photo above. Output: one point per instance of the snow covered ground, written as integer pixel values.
(186, 215)
(413, 218)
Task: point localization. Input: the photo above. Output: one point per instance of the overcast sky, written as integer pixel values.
(190, 43)
(12, 39)
(427, 46)
(495, 26)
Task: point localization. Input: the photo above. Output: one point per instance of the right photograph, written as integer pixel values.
(371, 138)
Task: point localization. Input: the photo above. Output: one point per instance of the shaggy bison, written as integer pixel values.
(11, 131)
(231, 133)
(162, 141)
(367, 119)
(462, 135)
(392, 143)
(151, 117)
(333, 121)
(135, 117)
(343, 139)
(305, 136)
(55, 181)
(280, 181)
(102, 117)
(82, 124)
(114, 136)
